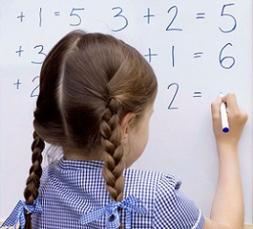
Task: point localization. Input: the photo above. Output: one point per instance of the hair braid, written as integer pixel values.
(111, 140)
(33, 181)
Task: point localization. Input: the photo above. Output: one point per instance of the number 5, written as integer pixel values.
(223, 14)
(72, 14)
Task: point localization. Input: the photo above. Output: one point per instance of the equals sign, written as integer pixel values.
(201, 16)
(57, 13)
(197, 94)
(197, 54)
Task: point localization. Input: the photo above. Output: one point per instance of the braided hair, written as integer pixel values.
(33, 181)
(88, 83)
(111, 140)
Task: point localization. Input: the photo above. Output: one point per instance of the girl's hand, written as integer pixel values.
(236, 119)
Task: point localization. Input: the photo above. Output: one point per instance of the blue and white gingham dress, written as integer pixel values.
(70, 189)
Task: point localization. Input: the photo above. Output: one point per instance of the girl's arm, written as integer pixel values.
(227, 209)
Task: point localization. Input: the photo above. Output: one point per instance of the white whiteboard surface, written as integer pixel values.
(186, 39)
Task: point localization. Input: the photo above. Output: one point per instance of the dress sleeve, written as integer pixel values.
(172, 209)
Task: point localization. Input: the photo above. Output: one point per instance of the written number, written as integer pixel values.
(226, 62)
(124, 19)
(176, 86)
(173, 10)
(41, 48)
(230, 16)
(76, 15)
(35, 92)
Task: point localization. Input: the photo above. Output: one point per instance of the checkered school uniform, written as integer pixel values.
(72, 189)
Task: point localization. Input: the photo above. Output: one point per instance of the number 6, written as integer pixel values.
(222, 59)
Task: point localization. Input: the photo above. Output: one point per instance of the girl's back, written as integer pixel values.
(71, 189)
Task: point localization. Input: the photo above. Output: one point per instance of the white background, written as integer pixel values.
(181, 140)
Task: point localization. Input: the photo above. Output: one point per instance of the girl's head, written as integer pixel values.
(96, 97)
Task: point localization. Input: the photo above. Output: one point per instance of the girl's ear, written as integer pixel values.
(125, 124)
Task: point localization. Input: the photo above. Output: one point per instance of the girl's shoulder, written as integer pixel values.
(149, 183)
(151, 178)
(143, 175)
(167, 205)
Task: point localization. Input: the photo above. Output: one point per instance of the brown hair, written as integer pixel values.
(88, 82)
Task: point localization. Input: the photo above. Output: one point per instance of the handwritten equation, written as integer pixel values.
(119, 16)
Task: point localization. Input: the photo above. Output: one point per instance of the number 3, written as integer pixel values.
(41, 47)
(122, 16)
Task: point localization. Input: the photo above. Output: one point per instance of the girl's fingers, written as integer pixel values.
(231, 102)
(234, 111)
(215, 107)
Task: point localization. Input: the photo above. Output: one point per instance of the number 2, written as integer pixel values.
(174, 96)
(33, 94)
(173, 19)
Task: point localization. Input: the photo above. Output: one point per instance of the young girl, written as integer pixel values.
(95, 103)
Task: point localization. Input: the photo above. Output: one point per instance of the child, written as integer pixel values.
(95, 103)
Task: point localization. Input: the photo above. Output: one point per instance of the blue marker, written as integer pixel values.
(224, 117)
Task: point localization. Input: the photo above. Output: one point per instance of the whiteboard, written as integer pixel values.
(197, 49)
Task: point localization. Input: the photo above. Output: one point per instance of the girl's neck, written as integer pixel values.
(82, 155)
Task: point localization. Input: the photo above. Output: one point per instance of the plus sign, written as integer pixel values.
(148, 16)
(17, 84)
(19, 51)
(21, 16)
(150, 54)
